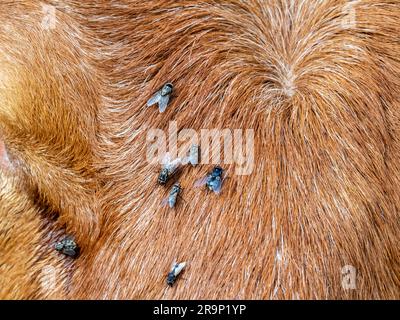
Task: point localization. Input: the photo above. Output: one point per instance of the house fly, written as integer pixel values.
(161, 97)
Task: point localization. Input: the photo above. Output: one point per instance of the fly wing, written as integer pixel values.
(154, 99)
(165, 201)
(172, 199)
(69, 252)
(163, 103)
(218, 188)
(179, 267)
(173, 266)
(166, 160)
(201, 182)
(174, 165)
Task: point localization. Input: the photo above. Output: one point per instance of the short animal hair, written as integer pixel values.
(316, 81)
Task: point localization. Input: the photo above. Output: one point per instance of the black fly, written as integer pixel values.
(175, 271)
(68, 247)
(169, 167)
(173, 195)
(213, 180)
(161, 97)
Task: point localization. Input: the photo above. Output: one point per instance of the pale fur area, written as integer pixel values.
(321, 95)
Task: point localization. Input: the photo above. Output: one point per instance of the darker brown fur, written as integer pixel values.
(321, 97)
(29, 268)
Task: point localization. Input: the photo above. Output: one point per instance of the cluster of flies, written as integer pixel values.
(213, 182)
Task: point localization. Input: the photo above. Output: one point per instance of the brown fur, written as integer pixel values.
(322, 100)
(26, 249)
